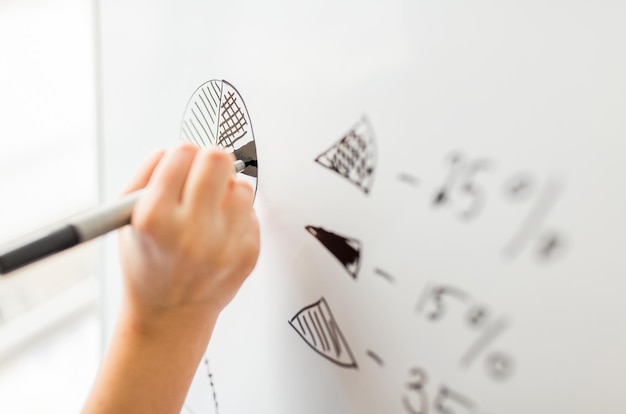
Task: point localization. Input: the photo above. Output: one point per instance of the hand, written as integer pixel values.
(193, 240)
(194, 236)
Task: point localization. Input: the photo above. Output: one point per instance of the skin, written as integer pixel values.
(193, 240)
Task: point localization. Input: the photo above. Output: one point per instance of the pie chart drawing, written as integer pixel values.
(216, 116)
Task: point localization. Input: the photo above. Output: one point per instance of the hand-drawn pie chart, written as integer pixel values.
(216, 116)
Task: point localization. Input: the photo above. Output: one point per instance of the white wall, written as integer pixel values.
(534, 88)
(48, 171)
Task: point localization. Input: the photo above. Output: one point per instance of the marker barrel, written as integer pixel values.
(87, 226)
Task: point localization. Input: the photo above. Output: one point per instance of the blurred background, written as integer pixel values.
(49, 331)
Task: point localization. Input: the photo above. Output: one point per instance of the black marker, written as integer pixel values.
(83, 228)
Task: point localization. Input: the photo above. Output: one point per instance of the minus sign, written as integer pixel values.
(423, 298)
(409, 179)
(384, 275)
(375, 357)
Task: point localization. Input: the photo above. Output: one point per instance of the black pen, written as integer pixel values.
(84, 227)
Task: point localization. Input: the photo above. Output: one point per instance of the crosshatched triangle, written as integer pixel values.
(353, 156)
(234, 122)
(346, 250)
(317, 326)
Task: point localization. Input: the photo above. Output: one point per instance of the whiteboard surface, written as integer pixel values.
(482, 271)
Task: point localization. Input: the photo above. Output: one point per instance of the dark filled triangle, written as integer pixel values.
(346, 250)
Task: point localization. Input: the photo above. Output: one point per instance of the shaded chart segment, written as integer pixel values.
(235, 128)
(234, 122)
(317, 326)
(353, 156)
(346, 250)
(201, 119)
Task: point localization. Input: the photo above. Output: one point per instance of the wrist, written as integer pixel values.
(191, 324)
(151, 361)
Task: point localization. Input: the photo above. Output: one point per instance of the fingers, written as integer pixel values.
(209, 180)
(143, 174)
(169, 177)
(249, 243)
(202, 182)
(238, 206)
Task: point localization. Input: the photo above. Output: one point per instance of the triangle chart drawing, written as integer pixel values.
(353, 156)
(317, 326)
(346, 250)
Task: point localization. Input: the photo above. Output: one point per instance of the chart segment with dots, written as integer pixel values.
(353, 156)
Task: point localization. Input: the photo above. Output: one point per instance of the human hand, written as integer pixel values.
(194, 236)
(193, 240)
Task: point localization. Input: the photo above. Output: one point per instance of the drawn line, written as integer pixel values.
(205, 101)
(206, 134)
(304, 309)
(219, 110)
(446, 393)
(538, 214)
(195, 140)
(301, 327)
(423, 299)
(325, 340)
(208, 369)
(482, 342)
(328, 329)
(335, 338)
(384, 275)
(196, 129)
(409, 179)
(234, 121)
(317, 331)
(211, 139)
(188, 135)
(375, 357)
(310, 331)
(187, 138)
(215, 108)
(213, 101)
(217, 92)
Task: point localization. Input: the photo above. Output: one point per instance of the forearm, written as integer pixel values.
(150, 368)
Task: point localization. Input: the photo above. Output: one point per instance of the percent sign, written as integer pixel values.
(434, 303)
(498, 364)
(550, 243)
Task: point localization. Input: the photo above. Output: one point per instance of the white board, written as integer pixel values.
(473, 264)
